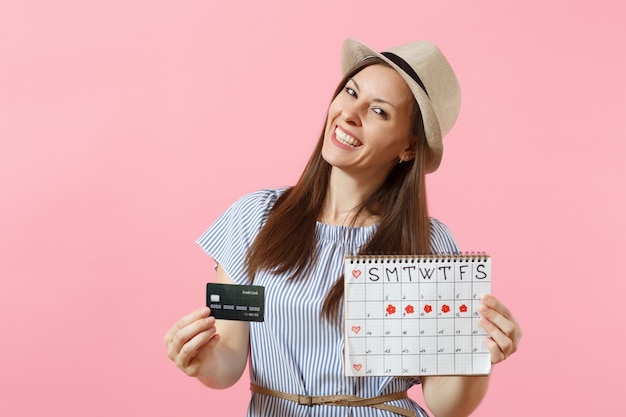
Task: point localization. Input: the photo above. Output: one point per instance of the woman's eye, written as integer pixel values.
(381, 112)
(350, 91)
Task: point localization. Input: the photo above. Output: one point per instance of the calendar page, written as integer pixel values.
(415, 315)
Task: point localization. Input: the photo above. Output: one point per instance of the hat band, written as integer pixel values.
(405, 67)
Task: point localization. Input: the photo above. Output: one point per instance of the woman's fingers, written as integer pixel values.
(503, 329)
(185, 321)
(191, 349)
(191, 340)
(186, 329)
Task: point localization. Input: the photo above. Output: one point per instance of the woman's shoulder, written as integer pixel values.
(241, 221)
(262, 200)
(441, 238)
(438, 226)
(254, 207)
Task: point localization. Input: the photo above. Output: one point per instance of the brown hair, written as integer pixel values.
(287, 241)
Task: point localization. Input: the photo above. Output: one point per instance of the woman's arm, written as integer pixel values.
(458, 396)
(452, 396)
(214, 351)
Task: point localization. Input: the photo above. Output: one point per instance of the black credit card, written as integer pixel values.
(236, 302)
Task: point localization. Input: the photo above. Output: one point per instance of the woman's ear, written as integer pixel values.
(407, 155)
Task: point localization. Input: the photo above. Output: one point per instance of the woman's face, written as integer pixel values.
(369, 123)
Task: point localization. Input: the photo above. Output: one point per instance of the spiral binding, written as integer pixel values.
(442, 257)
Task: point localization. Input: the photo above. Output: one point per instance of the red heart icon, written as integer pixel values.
(357, 366)
(356, 329)
(356, 273)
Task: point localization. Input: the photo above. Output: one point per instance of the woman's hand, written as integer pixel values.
(195, 346)
(191, 343)
(504, 331)
(460, 395)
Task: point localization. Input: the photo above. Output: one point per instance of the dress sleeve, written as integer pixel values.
(441, 239)
(229, 237)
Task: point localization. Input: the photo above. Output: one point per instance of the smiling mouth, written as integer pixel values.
(346, 139)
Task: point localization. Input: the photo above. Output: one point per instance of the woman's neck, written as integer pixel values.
(344, 198)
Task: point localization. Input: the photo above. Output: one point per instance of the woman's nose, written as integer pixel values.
(351, 114)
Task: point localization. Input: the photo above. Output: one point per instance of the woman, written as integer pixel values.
(362, 191)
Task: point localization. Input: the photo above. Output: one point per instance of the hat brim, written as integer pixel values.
(354, 52)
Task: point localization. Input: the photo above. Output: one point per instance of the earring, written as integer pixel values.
(408, 156)
(401, 160)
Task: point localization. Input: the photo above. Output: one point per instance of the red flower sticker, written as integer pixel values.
(445, 308)
(391, 309)
(428, 308)
(409, 309)
(463, 308)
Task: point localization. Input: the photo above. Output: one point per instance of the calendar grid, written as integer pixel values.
(415, 315)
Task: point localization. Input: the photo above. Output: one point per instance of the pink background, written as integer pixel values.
(126, 127)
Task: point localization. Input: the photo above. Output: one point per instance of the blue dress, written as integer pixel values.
(295, 350)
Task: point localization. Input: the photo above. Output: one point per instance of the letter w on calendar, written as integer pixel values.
(415, 315)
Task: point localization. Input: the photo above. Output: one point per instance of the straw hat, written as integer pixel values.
(431, 79)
